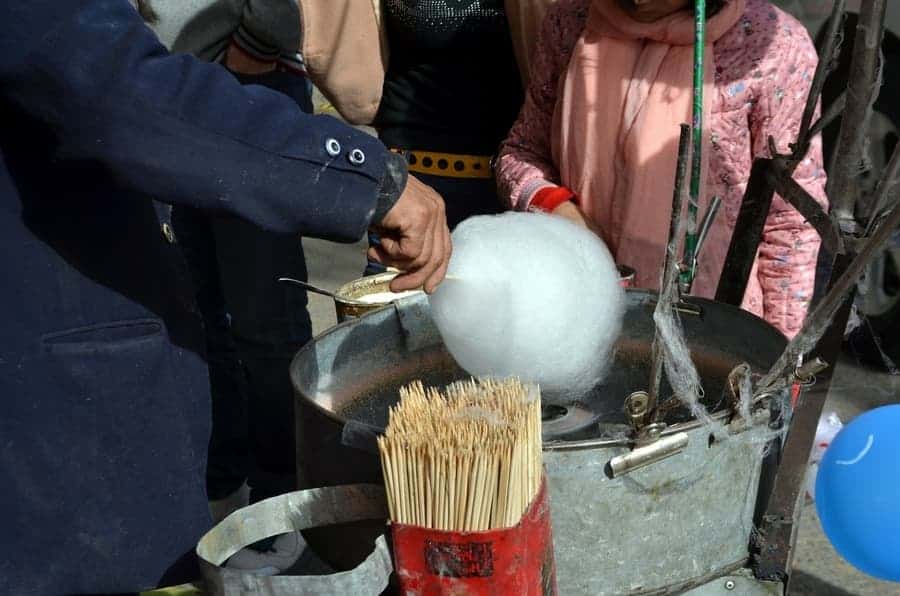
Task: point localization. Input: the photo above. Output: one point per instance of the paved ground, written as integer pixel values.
(819, 571)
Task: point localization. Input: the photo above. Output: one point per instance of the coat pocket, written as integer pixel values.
(123, 418)
(119, 386)
(127, 388)
(103, 336)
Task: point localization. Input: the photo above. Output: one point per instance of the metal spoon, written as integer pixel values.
(332, 295)
(316, 289)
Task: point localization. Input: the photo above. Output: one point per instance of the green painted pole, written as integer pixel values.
(690, 241)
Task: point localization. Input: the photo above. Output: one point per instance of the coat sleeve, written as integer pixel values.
(525, 163)
(786, 265)
(269, 29)
(99, 87)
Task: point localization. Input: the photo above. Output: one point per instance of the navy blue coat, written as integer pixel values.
(104, 414)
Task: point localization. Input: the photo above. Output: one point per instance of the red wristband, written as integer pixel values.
(549, 198)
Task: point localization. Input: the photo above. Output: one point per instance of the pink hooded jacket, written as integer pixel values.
(765, 66)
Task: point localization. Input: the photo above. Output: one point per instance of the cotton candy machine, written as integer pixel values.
(675, 524)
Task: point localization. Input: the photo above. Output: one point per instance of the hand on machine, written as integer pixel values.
(415, 239)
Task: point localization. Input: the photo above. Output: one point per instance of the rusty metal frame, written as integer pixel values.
(767, 173)
(853, 244)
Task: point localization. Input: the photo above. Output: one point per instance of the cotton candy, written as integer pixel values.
(532, 296)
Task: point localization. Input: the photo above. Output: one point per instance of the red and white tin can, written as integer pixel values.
(515, 561)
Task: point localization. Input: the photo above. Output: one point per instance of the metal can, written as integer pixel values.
(517, 560)
(351, 300)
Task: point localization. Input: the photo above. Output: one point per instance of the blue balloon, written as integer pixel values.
(858, 493)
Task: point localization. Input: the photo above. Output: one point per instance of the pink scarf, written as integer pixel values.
(616, 128)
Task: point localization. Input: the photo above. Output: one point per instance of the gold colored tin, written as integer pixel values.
(346, 303)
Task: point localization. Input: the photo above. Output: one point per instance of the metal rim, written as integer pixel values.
(342, 294)
(647, 299)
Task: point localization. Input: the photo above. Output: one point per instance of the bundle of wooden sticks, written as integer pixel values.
(464, 459)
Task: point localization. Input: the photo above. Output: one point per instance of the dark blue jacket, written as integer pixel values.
(104, 413)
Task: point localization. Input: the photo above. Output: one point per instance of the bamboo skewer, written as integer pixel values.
(467, 458)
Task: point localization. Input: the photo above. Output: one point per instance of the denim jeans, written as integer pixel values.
(254, 326)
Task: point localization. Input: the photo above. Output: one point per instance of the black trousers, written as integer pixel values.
(254, 326)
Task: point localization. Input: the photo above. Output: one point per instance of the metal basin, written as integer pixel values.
(347, 378)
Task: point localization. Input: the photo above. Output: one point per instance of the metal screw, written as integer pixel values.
(653, 431)
(729, 585)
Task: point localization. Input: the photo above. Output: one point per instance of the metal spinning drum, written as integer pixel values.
(676, 524)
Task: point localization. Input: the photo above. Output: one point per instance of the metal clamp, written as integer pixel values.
(806, 373)
(649, 453)
(637, 409)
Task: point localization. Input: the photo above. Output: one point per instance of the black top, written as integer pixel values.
(452, 84)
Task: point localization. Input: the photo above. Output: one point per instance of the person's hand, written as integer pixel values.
(415, 239)
(573, 213)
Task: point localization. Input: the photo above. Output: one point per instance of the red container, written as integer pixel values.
(796, 390)
(515, 561)
(626, 276)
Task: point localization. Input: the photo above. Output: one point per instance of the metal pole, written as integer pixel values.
(826, 53)
(883, 192)
(862, 90)
(760, 187)
(751, 221)
(690, 241)
(668, 289)
(822, 334)
(823, 316)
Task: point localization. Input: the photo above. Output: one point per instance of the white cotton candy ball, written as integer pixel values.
(532, 296)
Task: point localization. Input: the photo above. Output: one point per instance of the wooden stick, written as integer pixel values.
(465, 458)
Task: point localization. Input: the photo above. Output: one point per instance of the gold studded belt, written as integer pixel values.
(448, 165)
